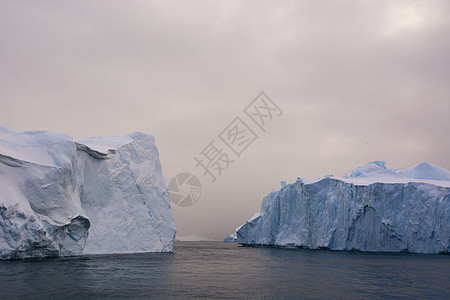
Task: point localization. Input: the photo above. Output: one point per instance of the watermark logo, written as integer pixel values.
(238, 136)
(219, 154)
(213, 161)
(262, 110)
(185, 189)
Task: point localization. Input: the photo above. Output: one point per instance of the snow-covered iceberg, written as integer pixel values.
(98, 195)
(375, 209)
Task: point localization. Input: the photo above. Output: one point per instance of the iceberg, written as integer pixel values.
(193, 238)
(61, 197)
(375, 209)
(232, 238)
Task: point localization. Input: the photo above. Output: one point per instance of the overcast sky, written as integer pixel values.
(357, 81)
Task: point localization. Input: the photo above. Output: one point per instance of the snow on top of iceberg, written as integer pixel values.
(103, 144)
(55, 149)
(38, 147)
(370, 169)
(424, 170)
(377, 171)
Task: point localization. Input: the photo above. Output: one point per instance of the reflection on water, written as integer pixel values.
(220, 270)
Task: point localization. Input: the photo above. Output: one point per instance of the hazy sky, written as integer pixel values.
(357, 81)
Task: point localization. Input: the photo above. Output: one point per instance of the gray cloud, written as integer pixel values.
(358, 81)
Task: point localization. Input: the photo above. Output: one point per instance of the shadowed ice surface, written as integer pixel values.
(223, 270)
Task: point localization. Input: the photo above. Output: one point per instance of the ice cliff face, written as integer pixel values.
(388, 212)
(124, 195)
(99, 195)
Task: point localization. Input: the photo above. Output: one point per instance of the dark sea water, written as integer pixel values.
(220, 270)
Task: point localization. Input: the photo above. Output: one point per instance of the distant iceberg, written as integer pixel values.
(63, 197)
(375, 209)
(232, 238)
(193, 238)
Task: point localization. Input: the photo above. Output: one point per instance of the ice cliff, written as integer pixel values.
(375, 209)
(62, 197)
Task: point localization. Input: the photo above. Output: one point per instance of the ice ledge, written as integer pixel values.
(94, 153)
(103, 147)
